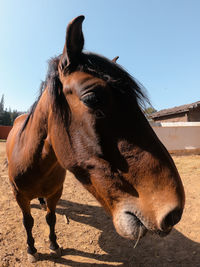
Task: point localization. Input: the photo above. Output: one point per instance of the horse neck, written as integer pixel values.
(33, 137)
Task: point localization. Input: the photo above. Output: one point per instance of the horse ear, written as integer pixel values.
(115, 59)
(73, 44)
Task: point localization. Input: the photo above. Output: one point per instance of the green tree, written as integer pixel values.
(7, 117)
(1, 110)
(13, 115)
(148, 111)
(6, 120)
(2, 104)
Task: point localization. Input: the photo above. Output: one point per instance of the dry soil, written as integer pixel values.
(90, 239)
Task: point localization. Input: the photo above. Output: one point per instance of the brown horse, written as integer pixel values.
(88, 120)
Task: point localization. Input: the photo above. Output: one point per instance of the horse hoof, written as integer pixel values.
(57, 253)
(43, 206)
(33, 257)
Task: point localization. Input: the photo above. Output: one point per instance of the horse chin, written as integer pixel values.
(129, 226)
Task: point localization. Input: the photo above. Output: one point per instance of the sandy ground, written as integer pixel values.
(90, 239)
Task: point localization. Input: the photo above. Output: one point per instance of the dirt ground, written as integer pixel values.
(90, 239)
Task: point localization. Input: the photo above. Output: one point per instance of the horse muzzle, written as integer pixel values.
(128, 225)
(132, 224)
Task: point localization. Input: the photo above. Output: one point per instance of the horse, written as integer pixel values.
(89, 120)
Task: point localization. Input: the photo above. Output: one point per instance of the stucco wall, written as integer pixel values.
(179, 136)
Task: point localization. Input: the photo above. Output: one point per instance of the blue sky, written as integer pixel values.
(157, 41)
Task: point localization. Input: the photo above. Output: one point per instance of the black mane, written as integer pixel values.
(114, 75)
(99, 67)
(33, 107)
(52, 73)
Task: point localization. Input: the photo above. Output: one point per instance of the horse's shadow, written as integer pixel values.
(174, 250)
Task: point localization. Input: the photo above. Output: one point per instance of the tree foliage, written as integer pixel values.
(7, 117)
(148, 111)
(2, 104)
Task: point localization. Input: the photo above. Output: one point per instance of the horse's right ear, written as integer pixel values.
(115, 59)
(73, 44)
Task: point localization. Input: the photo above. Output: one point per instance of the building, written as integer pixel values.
(184, 113)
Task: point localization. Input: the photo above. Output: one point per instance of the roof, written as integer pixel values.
(175, 110)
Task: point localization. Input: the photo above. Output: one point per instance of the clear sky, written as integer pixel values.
(157, 41)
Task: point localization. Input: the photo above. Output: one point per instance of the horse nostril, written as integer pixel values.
(172, 218)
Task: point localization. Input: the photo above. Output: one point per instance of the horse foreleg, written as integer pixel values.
(51, 221)
(28, 225)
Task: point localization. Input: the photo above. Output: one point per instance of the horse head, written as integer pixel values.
(99, 132)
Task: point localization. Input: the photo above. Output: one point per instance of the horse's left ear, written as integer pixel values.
(73, 44)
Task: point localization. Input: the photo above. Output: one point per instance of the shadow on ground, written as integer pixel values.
(174, 250)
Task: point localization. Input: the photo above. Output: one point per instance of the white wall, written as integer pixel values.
(178, 135)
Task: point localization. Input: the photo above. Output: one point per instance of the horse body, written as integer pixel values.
(32, 161)
(88, 120)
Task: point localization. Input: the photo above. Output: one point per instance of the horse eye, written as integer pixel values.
(93, 100)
